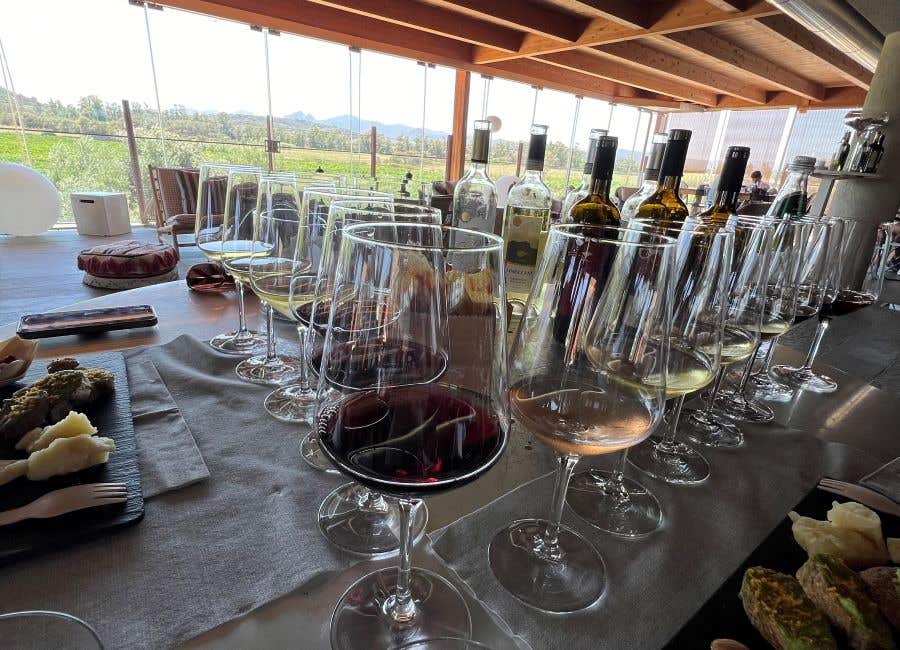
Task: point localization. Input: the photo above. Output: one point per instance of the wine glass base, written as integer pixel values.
(312, 453)
(356, 523)
(769, 389)
(805, 379)
(259, 370)
(710, 430)
(595, 498)
(360, 619)
(676, 463)
(573, 581)
(291, 404)
(250, 344)
(737, 407)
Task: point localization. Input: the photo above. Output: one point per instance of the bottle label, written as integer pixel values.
(522, 235)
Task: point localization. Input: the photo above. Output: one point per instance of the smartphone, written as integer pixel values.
(87, 321)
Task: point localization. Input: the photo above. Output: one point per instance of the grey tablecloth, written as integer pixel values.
(206, 553)
(654, 584)
(885, 479)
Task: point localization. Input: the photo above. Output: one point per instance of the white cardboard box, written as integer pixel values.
(100, 213)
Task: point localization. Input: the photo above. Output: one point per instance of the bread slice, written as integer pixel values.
(883, 586)
(778, 608)
(841, 595)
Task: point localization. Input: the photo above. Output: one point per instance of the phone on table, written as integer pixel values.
(85, 321)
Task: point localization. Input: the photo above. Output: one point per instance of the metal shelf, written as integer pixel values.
(843, 176)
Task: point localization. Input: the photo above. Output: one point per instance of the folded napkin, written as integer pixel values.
(885, 479)
(654, 585)
(167, 452)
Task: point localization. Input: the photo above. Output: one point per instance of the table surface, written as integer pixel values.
(857, 414)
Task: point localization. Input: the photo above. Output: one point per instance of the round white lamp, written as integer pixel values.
(29, 202)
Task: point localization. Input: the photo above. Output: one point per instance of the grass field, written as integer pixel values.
(85, 163)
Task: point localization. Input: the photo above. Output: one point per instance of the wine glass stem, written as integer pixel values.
(403, 608)
(270, 332)
(669, 437)
(748, 369)
(767, 362)
(303, 379)
(242, 332)
(549, 547)
(711, 402)
(817, 341)
(618, 476)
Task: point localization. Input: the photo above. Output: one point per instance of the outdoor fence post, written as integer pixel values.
(448, 158)
(373, 151)
(135, 162)
(519, 159)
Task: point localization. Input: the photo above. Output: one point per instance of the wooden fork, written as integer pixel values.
(69, 499)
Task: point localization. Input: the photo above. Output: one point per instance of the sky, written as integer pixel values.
(100, 47)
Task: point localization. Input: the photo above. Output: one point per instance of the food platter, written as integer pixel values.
(112, 417)
(723, 615)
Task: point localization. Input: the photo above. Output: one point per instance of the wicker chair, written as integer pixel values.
(175, 195)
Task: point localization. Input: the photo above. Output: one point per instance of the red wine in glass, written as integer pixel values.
(412, 439)
(846, 302)
(804, 313)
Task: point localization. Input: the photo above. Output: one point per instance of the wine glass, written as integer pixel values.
(812, 287)
(789, 238)
(271, 257)
(747, 279)
(857, 283)
(587, 377)
(412, 403)
(702, 262)
(48, 629)
(209, 230)
(443, 643)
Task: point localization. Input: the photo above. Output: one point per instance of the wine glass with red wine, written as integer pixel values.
(412, 401)
(587, 377)
(819, 256)
(856, 282)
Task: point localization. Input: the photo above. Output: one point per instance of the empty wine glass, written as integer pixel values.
(413, 403)
(857, 284)
(353, 517)
(747, 279)
(443, 643)
(587, 377)
(48, 629)
(209, 230)
(702, 262)
(269, 265)
(789, 238)
(813, 285)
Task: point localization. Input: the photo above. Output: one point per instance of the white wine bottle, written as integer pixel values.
(651, 176)
(475, 196)
(526, 220)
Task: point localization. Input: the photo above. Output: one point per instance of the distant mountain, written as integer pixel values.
(388, 130)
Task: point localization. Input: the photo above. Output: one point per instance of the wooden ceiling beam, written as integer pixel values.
(829, 55)
(676, 16)
(710, 45)
(434, 20)
(632, 14)
(581, 61)
(534, 18)
(841, 97)
(675, 68)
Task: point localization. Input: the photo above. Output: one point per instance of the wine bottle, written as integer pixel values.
(728, 189)
(792, 198)
(651, 177)
(876, 151)
(526, 220)
(664, 207)
(596, 209)
(843, 150)
(475, 196)
(576, 194)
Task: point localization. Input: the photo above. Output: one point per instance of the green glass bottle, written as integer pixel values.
(664, 207)
(596, 209)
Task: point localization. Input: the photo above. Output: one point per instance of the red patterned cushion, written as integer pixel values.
(128, 259)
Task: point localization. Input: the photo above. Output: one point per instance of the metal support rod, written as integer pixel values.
(13, 101)
(650, 118)
(135, 161)
(778, 161)
(634, 137)
(373, 151)
(159, 119)
(537, 92)
(578, 99)
(270, 126)
(424, 113)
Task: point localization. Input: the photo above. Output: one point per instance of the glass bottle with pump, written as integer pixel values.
(578, 193)
(526, 221)
(651, 177)
(596, 209)
(664, 207)
(728, 191)
(475, 196)
(791, 199)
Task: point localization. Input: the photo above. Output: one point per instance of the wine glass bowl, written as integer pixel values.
(587, 377)
(405, 407)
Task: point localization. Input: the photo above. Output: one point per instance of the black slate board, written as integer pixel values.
(723, 617)
(112, 417)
